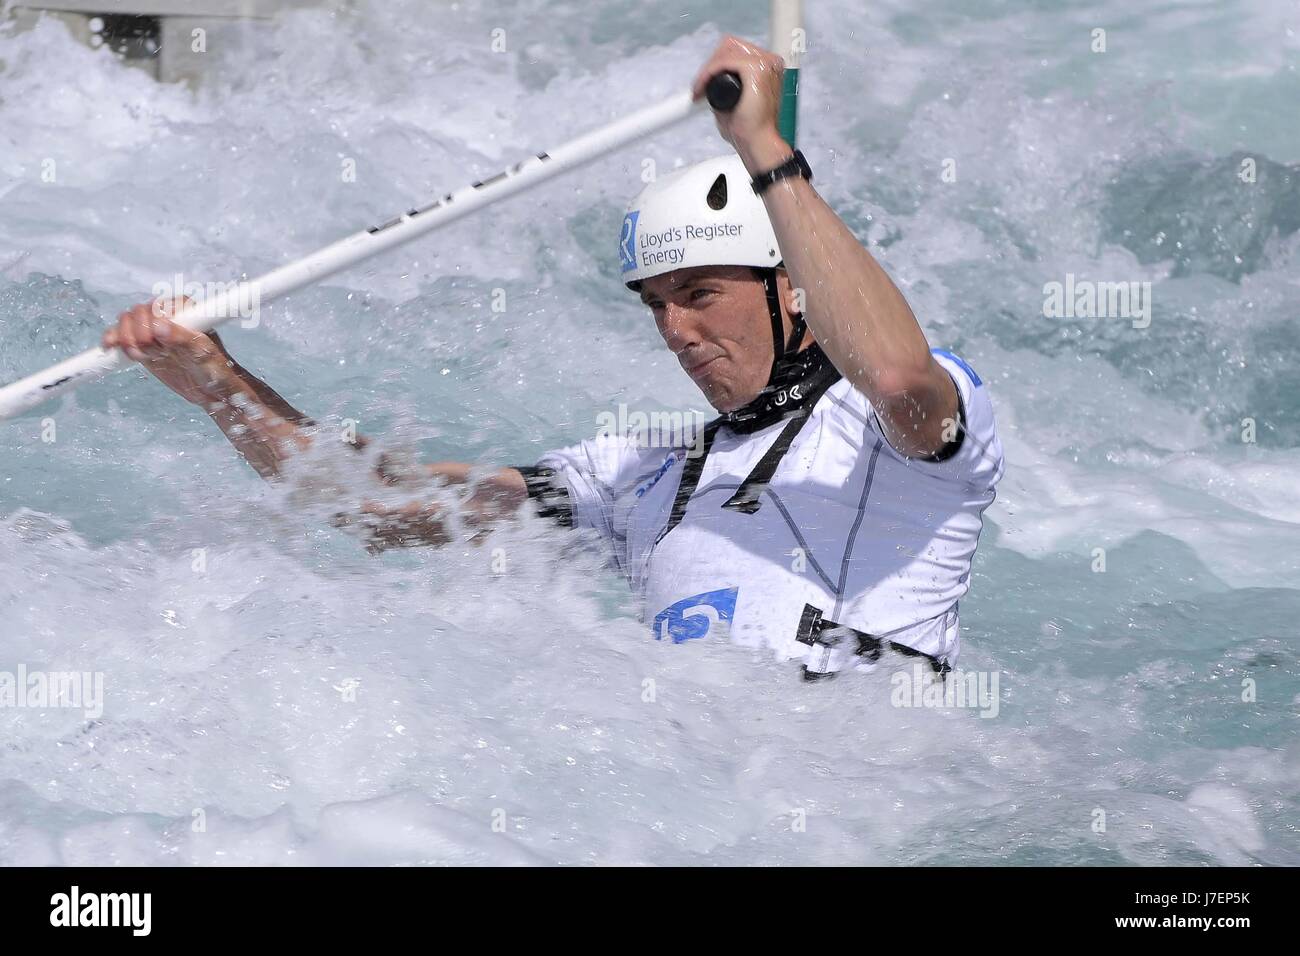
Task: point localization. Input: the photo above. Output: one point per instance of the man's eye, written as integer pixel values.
(698, 294)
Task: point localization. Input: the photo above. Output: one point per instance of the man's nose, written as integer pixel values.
(677, 327)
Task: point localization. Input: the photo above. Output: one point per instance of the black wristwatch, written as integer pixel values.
(796, 165)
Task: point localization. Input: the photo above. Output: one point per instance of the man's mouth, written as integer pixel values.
(694, 370)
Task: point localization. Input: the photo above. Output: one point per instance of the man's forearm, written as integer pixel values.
(264, 428)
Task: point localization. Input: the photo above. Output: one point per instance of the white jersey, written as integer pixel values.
(848, 530)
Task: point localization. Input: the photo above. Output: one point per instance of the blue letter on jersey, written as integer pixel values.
(704, 615)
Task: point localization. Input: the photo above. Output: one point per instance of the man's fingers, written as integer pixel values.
(140, 330)
(732, 54)
(162, 330)
(146, 330)
(126, 334)
(714, 65)
(155, 328)
(145, 335)
(718, 63)
(701, 81)
(142, 327)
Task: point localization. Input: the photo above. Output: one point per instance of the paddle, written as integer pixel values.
(722, 93)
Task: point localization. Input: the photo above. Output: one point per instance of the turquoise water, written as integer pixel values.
(309, 703)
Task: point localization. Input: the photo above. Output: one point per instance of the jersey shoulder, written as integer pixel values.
(975, 454)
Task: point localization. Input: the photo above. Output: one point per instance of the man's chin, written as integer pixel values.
(722, 399)
(721, 403)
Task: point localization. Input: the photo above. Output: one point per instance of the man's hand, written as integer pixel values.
(752, 126)
(492, 498)
(190, 363)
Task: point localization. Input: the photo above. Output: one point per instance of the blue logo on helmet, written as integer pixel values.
(627, 242)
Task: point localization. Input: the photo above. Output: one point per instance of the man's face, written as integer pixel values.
(715, 320)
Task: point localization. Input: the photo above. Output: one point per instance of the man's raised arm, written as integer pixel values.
(857, 314)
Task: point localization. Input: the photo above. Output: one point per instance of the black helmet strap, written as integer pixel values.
(780, 347)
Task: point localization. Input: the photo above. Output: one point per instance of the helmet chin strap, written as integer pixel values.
(780, 347)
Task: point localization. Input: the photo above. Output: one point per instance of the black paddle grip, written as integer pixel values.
(723, 91)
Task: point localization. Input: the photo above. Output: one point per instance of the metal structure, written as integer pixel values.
(170, 39)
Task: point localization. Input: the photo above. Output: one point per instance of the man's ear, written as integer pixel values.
(791, 298)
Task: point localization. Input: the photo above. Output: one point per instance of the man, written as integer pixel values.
(829, 514)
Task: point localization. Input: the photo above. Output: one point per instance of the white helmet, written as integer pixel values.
(704, 215)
